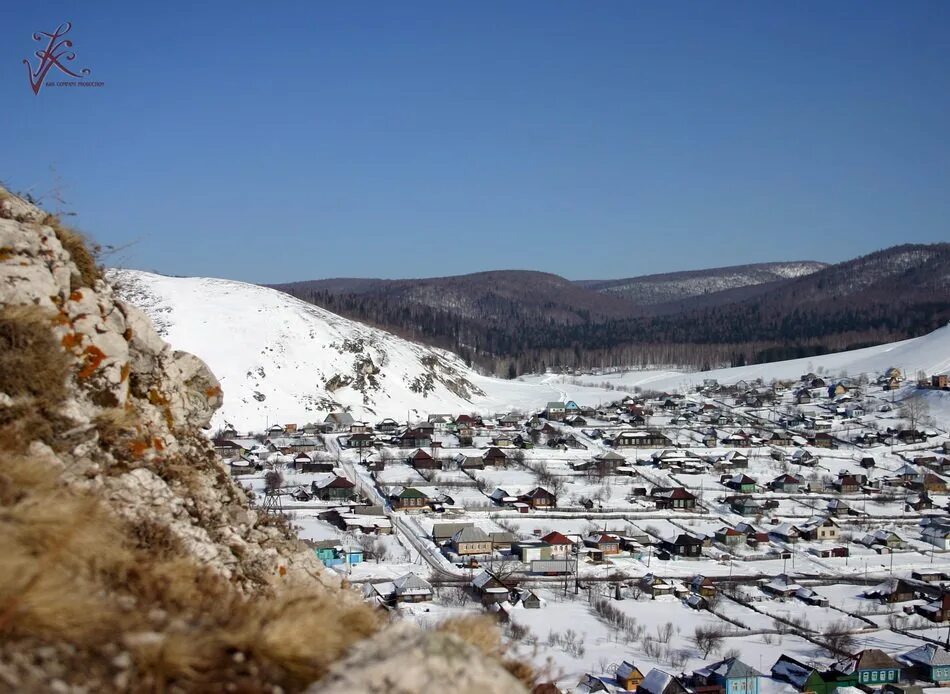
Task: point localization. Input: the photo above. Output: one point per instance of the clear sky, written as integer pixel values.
(271, 141)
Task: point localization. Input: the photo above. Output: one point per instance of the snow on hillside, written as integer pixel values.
(929, 353)
(282, 360)
(654, 289)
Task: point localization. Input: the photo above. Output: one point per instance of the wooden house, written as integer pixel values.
(421, 460)
(415, 437)
(539, 498)
(628, 676)
(683, 545)
(606, 543)
(871, 667)
(676, 498)
(804, 678)
(820, 529)
(930, 663)
(334, 488)
(660, 682)
(786, 484)
(729, 676)
(496, 457)
(471, 540)
(408, 499)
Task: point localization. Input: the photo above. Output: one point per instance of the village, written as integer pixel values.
(757, 536)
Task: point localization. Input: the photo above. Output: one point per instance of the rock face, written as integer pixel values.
(162, 575)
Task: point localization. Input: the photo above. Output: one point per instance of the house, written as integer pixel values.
(387, 426)
(848, 483)
(560, 545)
(940, 382)
(683, 545)
(495, 456)
(676, 498)
(226, 448)
(407, 588)
(786, 484)
(555, 411)
(608, 544)
(872, 667)
(539, 498)
(782, 586)
(469, 462)
(703, 585)
(838, 508)
(490, 588)
(421, 460)
(416, 437)
(339, 421)
(936, 611)
(606, 463)
(471, 540)
(333, 488)
(892, 590)
(929, 482)
(744, 505)
(640, 439)
(628, 676)
(785, 532)
(408, 499)
(443, 532)
(589, 684)
(919, 502)
(503, 540)
(779, 438)
(659, 682)
(729, 676)
(936, 535)
(655, 586)
(333, 553)
(929, 662)
(822, 528)
(741, 483)
(729, 536)
(533, 550)
(823, 439)
(804, 678)
(733, 460)
(887, 539)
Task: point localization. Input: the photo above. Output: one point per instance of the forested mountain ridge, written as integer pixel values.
(514, 322)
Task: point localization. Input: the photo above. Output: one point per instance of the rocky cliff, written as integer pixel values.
(130, 560)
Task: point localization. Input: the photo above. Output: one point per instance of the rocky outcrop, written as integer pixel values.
(132, 561)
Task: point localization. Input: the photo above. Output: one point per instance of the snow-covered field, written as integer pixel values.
(929, 353)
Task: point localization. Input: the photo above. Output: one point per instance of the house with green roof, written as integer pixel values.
(408, 499)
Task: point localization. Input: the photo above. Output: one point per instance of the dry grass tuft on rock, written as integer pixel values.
(484, 633)
(83, 252)
(73, 573)
(32, 363)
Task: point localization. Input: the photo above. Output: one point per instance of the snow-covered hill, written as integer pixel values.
(929, 353)
(283, 360)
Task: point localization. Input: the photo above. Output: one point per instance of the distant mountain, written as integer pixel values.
(515, 322)
(675, 286)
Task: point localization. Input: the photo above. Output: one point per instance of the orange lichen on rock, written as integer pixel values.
(72, 340)
(93, 356)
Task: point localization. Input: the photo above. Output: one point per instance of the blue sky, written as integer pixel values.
(296, 140)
